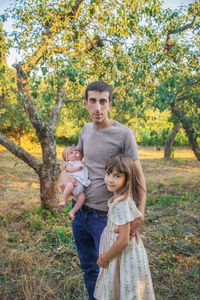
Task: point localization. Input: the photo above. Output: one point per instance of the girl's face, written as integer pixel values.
(114, 181)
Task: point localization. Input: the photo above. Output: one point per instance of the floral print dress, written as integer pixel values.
(127, 276)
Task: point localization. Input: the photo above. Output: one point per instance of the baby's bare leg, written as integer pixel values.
(67, 192)
(78, 205)
(65, 178)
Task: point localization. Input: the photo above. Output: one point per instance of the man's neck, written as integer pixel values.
(103, 125)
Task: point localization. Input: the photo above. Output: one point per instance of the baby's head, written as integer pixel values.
(71, 154)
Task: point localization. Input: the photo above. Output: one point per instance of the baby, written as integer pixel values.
(74, 166)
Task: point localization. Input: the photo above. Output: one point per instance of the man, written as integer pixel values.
(99, 140)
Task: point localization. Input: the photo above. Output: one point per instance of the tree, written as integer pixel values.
(179, 76)
(170, 141)
(10, 121)
(51, 21)
(62, 44)
(165, 68)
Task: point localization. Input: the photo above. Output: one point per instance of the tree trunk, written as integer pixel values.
(170, 141)
(48, 169)
(189, 130)
(49, 172)
(48, 187)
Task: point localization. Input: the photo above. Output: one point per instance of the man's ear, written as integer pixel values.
(85, 103)
(110, 104)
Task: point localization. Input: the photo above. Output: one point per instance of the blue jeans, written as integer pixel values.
(87, 230)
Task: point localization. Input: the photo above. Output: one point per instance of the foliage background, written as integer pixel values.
(146, 68)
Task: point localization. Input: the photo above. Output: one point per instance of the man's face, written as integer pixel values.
(98, 106)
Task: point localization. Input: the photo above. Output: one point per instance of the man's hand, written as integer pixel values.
(65, 177)
(135, 225)
(102, 261)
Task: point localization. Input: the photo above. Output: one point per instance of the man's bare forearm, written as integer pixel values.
(141, 189)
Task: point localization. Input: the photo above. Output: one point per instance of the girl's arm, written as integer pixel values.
(72, 169)
(118, 246)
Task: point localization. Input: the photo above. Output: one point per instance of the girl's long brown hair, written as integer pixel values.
(124, 164)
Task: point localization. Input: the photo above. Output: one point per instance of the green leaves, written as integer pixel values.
(148, 66)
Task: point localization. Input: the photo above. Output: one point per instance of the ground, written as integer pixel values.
(37, 254)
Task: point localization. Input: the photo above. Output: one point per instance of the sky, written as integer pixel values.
(8, 26)
(167, 3)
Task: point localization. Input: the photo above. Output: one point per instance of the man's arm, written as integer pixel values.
(141, 186)
(65, 177)
(141, 197)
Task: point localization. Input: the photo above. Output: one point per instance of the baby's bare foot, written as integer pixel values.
(71, 214)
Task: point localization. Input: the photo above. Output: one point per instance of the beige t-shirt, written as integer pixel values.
(97, 147)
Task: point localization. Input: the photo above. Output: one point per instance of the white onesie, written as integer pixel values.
(81, 176)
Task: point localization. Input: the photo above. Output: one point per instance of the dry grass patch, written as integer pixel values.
(38, 259)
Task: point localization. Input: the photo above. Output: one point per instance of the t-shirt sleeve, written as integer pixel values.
(79, 147)
(124, 211)
(130, 145)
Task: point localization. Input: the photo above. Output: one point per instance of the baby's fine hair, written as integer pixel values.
(124, 164)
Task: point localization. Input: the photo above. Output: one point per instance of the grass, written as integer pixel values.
(38, 259)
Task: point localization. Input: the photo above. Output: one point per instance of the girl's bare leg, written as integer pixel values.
(67, 192)
(78, 205)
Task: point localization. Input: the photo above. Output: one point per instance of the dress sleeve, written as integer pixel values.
(124, 211)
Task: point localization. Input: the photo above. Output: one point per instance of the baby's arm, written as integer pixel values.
(118, 246)
(70, 168)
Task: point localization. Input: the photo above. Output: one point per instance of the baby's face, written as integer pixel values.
(73, 154)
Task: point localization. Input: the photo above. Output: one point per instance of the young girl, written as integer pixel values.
(124, 270)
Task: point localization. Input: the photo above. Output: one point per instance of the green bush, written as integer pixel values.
(159, 137)
(67, 141)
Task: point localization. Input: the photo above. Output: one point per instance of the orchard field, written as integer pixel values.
(149, 55)
(37, 255)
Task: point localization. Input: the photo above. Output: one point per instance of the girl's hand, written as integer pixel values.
(102, 261)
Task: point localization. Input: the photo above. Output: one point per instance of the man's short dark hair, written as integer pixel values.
(99, 86)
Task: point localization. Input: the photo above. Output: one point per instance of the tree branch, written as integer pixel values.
(95, 42)
(57, 107)
(183, 28)
(75, 10)
(189, 83)
(188, 127)
(29, 106)
(71, 101)
(22, 154)
(51, 31)
(169, 44)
